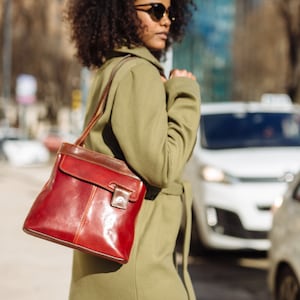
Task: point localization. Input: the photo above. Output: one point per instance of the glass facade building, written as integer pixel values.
(207, 47)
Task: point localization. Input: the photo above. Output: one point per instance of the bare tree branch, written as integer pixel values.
(39, 49)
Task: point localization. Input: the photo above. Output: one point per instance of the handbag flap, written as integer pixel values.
(99, 169)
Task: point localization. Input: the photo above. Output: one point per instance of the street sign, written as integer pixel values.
(26, 89)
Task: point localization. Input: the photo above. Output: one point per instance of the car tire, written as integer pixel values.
(288, 287)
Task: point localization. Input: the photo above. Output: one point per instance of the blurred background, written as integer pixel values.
(35, 51)
(239, 50)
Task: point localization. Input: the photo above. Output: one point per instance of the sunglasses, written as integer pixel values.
(157, 11)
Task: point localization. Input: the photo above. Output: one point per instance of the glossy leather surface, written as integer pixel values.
(74, 207)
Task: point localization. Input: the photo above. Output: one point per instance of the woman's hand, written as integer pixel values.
(163, 78)
(182, 73)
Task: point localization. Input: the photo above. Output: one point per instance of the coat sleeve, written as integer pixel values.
(156, 123)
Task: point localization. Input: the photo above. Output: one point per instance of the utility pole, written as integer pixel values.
(7, 49)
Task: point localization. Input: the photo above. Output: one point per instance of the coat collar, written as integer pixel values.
(141, 52)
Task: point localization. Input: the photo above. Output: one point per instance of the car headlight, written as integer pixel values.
(213, 174)
(277, 203)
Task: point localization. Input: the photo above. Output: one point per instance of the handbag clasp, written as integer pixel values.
(120, 198)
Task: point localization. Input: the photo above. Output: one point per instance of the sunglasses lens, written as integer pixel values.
(158, 11)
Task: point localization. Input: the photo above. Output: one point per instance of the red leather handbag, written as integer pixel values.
(91, 201)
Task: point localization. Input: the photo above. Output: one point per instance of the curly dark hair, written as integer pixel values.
(99, 26)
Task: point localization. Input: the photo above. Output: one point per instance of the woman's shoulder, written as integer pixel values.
(136, 66)
(140, 57)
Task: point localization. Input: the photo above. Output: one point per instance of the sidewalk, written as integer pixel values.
(30, 268)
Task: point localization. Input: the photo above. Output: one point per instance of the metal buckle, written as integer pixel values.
(120, 198)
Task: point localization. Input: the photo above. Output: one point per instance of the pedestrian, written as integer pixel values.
(150, 121)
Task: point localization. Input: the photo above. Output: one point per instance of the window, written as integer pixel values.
(259, 129)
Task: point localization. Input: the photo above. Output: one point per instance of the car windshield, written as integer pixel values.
(251, 129)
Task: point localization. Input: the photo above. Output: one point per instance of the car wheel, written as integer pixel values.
(287, 285)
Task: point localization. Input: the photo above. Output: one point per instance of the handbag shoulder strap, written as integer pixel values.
(101, 104)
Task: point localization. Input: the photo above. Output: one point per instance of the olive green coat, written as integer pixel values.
(152, 125)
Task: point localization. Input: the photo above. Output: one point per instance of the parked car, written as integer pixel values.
(244, 156)
(8, 134)
(284, 254)
(20, 151)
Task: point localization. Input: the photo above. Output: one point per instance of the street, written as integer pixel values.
(33, 269)
(230, 276)
(30, 268)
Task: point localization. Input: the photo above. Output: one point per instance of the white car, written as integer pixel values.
(284, 254)
(19, 151)
(244, 156)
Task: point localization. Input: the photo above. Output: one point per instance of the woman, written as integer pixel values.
(150, 122)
